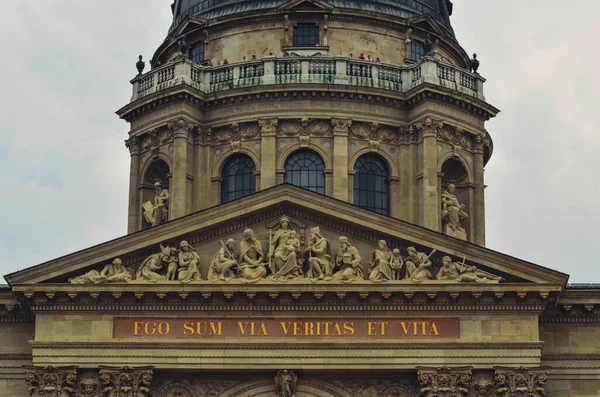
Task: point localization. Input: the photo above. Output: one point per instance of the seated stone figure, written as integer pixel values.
(473, 275)
(348, 260)
(380, 263)
(188, 263)
(112, 273)
(284, 263)
(152, 267)
(223, 262)
(252, 266)
(449, 270)
(421, 263)
(319, 256)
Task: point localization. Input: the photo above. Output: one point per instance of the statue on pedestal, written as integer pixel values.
(252, 266)
(348, 259)
(452, 211)
(285, 383)
(319, 256)
(157, 213)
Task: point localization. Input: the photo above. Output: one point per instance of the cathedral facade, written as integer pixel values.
(306, 218)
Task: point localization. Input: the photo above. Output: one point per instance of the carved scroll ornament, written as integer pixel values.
(126, 381)
(50, 381)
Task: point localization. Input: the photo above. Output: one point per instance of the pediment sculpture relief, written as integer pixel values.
(286, 260)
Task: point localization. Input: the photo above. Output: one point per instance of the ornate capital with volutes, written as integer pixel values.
(478, 144)
(444, 382)
(126, 381)
(50, 381)
(181, 128)
(268, 127)
(429, 127)
(341, 127)
(521, 382)
(133, 144)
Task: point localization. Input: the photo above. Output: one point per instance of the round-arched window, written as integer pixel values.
(238, 179)
(306, 169)
(372, 184)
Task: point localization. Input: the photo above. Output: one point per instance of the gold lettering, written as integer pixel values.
(415, 327)
(164, 328)
(243, 327)
(371, 331)
(309, 328)
(297, 330)
(286, 327)
(263, 330)
(137, 328)
(327, 324)
(216, 329)
(318, 328)
(405, 327)
(188, 328)
(337, 331)
(349, 328)
(424, 324)
(150, 328)
(383, 325)
(433, 330)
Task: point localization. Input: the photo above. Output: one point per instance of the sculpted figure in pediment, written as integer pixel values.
(223, 262)
(473, 275)
(380, 263)
(397, 263)
(421, 263)
(450, 270)
(319, 256)
(153, 267)
(188, 263)
(348, 259)
(252, 266)
(112, 273)
(284, 263)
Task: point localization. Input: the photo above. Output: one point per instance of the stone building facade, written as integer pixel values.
(306, 218)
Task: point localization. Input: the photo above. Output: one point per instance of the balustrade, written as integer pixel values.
(309, 70)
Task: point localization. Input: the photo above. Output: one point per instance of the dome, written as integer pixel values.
(440, 10)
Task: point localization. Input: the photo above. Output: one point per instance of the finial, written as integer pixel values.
(474, 63)
(140, 65)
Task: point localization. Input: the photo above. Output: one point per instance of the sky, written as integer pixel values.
(64, 168)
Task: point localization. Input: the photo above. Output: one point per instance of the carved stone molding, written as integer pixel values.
(429, 127)
(482, 384)
(203, 135)
(444, 382)
(341, 126)
(479, 144)
(268, 127)
(88, 384)
(407, 135)
(50, 381)
(181, 128)
(375, 132)
(234, 133)
(126, 381)
(456, 137)
(154, 139)
(133, 144)
(521, 382)
(304, 127)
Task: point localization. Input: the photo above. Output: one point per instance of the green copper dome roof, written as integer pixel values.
(440, 10)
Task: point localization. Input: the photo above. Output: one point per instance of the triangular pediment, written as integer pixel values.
(206, 230)
(427, 23)
(306, 6)
(188, 25)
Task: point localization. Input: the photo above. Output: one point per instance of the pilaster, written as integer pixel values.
(431, 196)
(479, 207)
(135, 206)
(180, 129)
(203, 185)
(268, 151)
(341, 128)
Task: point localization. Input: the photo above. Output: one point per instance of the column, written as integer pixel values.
(135, 205)
(180, 129)
(340, 157)
(520, 382)
(51, 381)
(430, 206)
(268, 152)
(203, 184)
(127, 381)
(478, 179)
(445, 382)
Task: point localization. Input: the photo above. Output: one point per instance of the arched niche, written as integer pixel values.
(454, 171)
(156, 171)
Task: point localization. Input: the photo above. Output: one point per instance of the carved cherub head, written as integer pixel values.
(89, 387)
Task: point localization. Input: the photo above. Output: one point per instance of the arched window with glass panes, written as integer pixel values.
(372, 184)
(237, 178)
(306, 169)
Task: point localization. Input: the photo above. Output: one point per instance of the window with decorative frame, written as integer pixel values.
(372, 184)
(306, 35)
(238, 178)
(306, 169)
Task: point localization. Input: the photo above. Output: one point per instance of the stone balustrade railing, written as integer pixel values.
(309, 70)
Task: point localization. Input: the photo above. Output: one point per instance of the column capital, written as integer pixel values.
(341, 126)
(50, 381)
(521, 382)
(133, 144)
(444, 382)
(429, 127)
(478, 144)
(127, 381)
(181, 127)
(268, 127)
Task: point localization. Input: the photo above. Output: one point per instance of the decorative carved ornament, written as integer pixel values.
(181, 128)
(285, 383)
(268, 127)
(341, 126)
(50, 381)
(126, 381)
(304, 127)
(521, 382)
(444, 382)
(429, 127)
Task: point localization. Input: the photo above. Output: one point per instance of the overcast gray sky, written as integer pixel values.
(64, 169)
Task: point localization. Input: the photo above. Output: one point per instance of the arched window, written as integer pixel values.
(372, 184)
(306, 169)
(238, 179)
